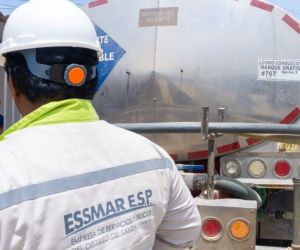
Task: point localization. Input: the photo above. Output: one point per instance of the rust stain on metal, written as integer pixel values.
(158, 17)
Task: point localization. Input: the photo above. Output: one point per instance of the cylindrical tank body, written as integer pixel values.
(164, 60)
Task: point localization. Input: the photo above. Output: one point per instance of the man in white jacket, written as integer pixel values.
(69, 180)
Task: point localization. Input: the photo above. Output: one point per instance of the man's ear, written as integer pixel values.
(21, 102)
(14, 92)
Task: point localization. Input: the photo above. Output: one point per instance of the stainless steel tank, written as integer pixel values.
(166, 59)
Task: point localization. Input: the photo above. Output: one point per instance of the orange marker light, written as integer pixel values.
(75, 75)
(239, 229)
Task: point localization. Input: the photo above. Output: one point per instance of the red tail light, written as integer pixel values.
(211, 229)
(282, 168)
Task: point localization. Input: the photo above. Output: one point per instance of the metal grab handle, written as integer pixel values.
(213, 127)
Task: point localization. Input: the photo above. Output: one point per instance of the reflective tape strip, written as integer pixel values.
(292, 116)
(97, 3)
(290, 21)
(198, 155)
(262, 5)
(251, 141)
(39, 190)
(228, 147)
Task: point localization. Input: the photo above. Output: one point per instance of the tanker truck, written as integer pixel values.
(164, 60)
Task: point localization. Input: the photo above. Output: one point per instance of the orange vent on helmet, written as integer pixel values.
(75, 74)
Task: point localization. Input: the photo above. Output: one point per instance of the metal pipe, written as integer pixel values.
(221, 114)
(127, 89)
(189, 180)
(211, 169)
(221, 117)
(296, 220)
(204, 123)
(213, 127)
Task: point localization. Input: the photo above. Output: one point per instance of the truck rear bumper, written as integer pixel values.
(271, 248)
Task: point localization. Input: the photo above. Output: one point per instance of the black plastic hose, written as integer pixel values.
(236, 188)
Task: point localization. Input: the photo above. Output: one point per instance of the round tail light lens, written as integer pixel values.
(282, 169)
(232, 169)
(239, 229)
(257, 168)
(211, 229)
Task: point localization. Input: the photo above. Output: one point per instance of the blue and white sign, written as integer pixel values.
(112, 53)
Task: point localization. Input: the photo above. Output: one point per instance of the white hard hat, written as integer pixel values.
(48, 23)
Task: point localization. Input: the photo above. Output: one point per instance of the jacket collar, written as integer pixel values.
(70, 110)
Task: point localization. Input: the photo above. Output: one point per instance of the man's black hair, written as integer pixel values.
(36, 89)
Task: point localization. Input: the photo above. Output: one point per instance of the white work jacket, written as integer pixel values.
(91, 185)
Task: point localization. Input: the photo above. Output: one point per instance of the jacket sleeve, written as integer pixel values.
(180, 227)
